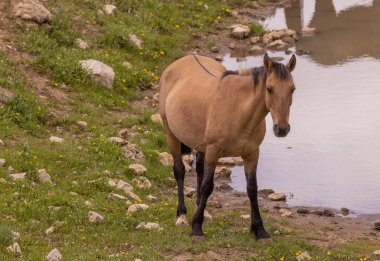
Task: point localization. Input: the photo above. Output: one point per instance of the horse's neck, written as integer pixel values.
(256, 111)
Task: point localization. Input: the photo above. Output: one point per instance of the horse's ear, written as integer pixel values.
(292, 63)
(267, 63)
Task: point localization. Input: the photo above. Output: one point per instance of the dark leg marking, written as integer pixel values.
(179, 174)
(257, 226)
(200, 164)
(205, 191)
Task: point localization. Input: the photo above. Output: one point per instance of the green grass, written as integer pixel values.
(256, 29)
(85, 161)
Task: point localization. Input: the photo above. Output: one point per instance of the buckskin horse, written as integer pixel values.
(221, 113)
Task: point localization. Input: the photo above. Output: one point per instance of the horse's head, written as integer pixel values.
(279, 93)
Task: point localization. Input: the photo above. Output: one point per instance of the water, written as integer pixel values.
(331, 157)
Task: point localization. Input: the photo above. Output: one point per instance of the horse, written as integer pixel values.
(221, 113)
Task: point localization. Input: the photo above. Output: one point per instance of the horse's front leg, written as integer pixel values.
(205, 190)
(250, 167)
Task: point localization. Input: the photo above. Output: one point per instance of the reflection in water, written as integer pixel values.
(330, 157)
(346, 29)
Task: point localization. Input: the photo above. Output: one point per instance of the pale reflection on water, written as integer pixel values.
(332, 154)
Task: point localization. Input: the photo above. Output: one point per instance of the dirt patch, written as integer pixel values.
(41, 84)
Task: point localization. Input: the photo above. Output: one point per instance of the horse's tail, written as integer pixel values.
(185, 149)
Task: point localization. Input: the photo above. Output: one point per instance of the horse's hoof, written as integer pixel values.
(181, 221)
(197, 238)
(207, 216)
(264, 240)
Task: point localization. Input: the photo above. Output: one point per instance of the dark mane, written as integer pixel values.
(228, 72)
(280, 70)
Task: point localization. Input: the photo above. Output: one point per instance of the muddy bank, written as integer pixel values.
(322, 226)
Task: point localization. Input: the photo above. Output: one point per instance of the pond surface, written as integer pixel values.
(331, 157)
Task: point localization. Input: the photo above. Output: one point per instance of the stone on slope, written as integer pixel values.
(32, 10)
(94, 217)
(99, 72)
(54, 255)
(43, 176)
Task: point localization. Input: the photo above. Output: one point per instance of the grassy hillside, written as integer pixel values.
(50, 93)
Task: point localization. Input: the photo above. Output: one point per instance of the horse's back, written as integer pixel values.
(186, 88)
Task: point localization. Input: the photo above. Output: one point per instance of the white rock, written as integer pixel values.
(256, 49)
(132, 151)
(33, 11)
(287, 214)
(2, 162)
(255, 39)
(151, 198)
(88, 203)
(74, 194)
(123, 133)
(114, 196)
(187, 166)
(18, 176)
(240, 31)
(207, 216)
(238, 161)
(43, 176)
(99, 72)
(135, 207)
(189, 159)
(49, 230)
(127, 65)
(81, 44)
(137, 169)
(126, 187)
(55, 139)
(377, 252)
(2, 142)
(132, 195)
(94, 217)
(149, 226)
(277, 44)
(277, 197)
(156, 98)
(81, 123)
(117, 140)
(226, 161)
(135, 40)
(3, 181)
(278, 34)
(166, 159)
(142, 183)
(15, 235)
(156, 118)
(14, 248)
(54, 255)
(109, 9)
(276, 233)
(11, 170)
(223, 172)
(245, 216)
(304, 256)
(54, 208)
(189, 191)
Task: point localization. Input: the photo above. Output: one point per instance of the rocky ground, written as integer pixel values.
(84, 172)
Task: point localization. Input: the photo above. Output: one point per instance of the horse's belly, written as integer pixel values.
(186, 117)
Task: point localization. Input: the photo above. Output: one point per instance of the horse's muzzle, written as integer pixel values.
(281, 131)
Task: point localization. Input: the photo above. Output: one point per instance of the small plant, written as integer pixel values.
(256, 29)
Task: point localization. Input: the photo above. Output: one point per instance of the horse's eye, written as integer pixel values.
(270, 91)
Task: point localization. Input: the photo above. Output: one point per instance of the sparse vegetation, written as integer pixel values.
(257, 29)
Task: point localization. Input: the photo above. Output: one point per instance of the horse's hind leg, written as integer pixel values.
(257, 226)
(205, 190)
(200, 165)
(179, 174)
